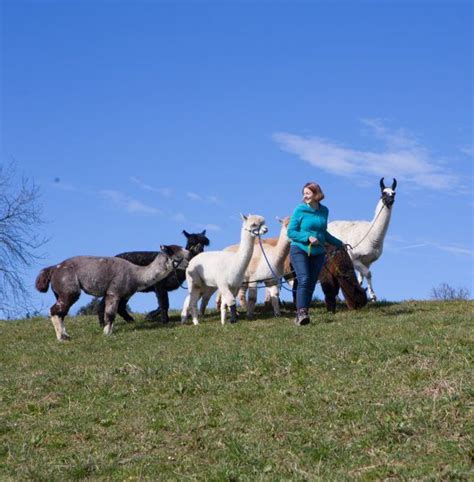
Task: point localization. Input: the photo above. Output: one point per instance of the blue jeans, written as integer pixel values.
(307, 269)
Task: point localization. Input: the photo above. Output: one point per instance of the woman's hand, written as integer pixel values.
(313, 240)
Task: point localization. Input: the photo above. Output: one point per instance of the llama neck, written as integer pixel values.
(154, 272)
(379, 224)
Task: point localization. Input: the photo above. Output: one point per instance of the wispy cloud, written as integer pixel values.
(193, 196)
(211, 227)
(164, 191)
(468, 150)
(129, 204)
(199, 198)
(402, 156)
(398, 245)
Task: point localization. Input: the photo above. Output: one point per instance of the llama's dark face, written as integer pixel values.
(388, 193)
(195, 242)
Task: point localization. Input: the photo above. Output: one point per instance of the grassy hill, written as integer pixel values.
(382, 393)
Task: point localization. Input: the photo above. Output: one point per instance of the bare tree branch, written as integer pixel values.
(20, 221)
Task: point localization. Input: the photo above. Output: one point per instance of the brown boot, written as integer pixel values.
(302, 317)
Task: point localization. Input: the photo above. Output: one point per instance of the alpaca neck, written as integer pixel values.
(243, 254)
(281, 249)
(379, 224)
(154, 272)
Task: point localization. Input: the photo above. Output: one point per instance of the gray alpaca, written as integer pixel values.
(114, 278)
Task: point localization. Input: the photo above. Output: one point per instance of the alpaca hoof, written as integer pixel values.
(153, 315)
(165, 318)
(64, 337)
(108, 330)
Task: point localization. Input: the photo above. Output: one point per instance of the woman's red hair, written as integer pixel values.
(316, 189)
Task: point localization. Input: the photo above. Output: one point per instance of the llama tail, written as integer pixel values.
(44, 278)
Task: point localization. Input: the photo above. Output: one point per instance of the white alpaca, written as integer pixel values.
(366, 237)
(222, 270)
(276, 251)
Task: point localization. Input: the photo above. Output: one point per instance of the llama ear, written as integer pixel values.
(394, 184)
(203, 232)
(185, 233)
(243, 216)
(279, 219)
(382, 185)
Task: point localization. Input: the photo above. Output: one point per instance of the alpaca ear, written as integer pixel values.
(166, 249)
(279, 219)
(243, 216)
(204, 232)
(185, 233)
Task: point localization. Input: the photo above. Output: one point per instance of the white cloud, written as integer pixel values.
(199, 198)
(179, 218)
(164, 191)
(211, 227)
(402, 157)
(193, 196)
(129, 204)
(468, 150)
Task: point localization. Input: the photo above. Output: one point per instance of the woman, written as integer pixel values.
(308, 233)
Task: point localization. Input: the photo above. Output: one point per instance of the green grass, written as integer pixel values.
(381, 393)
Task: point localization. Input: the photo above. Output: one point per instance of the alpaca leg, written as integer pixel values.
(164, 304)
(252, 301)
(228, 300)
(205, 300)
(193, 301)
(122, 310)
(218, 301)
(330, 288)
(274, 292)
(111, 306)
(101, 311)
(59, 311)
(268, 296)
(241, 296)
(185, 310)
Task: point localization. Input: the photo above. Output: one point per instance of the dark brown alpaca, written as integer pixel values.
(337, 273)
(114, 278)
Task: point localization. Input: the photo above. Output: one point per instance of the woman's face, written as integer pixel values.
(308, 195)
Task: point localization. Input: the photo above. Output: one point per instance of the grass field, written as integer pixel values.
(382, 393)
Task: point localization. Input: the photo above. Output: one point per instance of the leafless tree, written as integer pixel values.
(20, 239)
(445, 292)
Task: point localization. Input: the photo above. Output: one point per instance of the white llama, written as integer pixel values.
(366, 237)
(222, 270)
(276, 251)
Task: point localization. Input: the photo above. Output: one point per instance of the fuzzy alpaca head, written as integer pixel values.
(178, 256)
(254, 224)
(196, 242)
(388, 193)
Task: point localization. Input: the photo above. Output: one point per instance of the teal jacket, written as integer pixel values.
(305, 222)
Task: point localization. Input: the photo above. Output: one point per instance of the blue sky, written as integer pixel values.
(141, 119)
